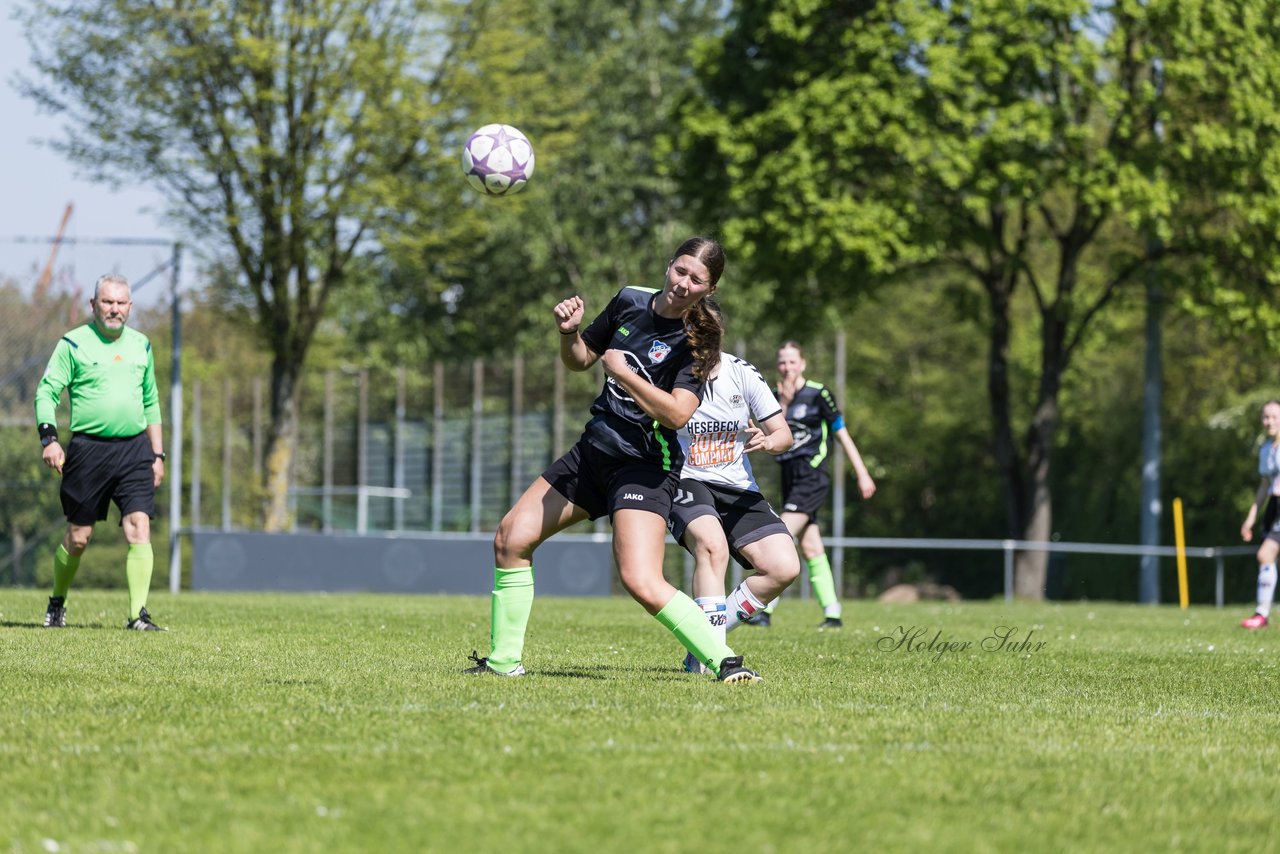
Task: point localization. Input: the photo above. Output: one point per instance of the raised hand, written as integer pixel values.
(568, 314)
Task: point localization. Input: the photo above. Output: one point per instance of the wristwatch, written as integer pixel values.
(161, 456)
(46, 441)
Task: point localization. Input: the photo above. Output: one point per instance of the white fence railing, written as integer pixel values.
(1010, 548)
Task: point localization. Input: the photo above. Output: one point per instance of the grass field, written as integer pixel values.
(342, 723)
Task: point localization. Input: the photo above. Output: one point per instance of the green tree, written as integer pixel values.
(1035, 149)
(276, 128)
(593, 83)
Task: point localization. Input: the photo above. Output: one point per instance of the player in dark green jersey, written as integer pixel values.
(815, 420)
(116, 451)
(657, 349)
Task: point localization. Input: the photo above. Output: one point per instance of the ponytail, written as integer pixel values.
(704, 327)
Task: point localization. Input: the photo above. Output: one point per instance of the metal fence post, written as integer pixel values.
(397, 473)
(175, 425)
(1007, 545)
(326, 464)
(1218, 580)
(197, 451)
(477, 416)
(257, 429)
(838, 470)
(517, 426)
(227, 436)
(437, 446)
(362, 452)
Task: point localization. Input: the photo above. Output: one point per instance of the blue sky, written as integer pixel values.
(37, 184)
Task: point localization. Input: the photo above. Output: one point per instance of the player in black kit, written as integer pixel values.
(814, 419)
(657, 348)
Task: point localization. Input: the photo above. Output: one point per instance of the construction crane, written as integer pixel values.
(46, 275)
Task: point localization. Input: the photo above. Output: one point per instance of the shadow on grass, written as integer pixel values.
(569, 674)
(14, 624)
(605, 671)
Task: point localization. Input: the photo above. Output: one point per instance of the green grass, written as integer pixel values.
(342, 723)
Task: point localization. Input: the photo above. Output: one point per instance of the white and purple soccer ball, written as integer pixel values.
(498, 160)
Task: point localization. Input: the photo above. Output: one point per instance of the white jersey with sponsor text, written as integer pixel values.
(1268, 463)
(714, 438)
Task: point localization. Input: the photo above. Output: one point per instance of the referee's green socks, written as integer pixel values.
(689, 624)
(65, 565)
(137, 569)
(509, 616)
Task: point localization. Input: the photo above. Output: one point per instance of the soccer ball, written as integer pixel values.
(498, 160)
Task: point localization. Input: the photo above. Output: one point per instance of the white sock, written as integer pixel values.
(714, 608)
(832, 610)
(1266, 588)
(741, 604)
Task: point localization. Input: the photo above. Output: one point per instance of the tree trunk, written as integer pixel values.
(1031, 568)
(1028, 502)
(999, 396)
(282, 443)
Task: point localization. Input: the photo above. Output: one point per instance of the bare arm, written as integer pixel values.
(156, 438)
(1246, 530)
(671, 409)
(773, 435)
(866, 485)
(574, 352)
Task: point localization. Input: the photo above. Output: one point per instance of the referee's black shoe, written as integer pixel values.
(55, 616)
(142, 623)
(830, 623)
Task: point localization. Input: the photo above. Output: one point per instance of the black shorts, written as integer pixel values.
(98, 471)
(1271, 519)
(602, 484)
(745, 515)
(804, 488)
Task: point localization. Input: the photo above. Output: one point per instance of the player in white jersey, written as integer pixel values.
(1268, 491)
(719, 508)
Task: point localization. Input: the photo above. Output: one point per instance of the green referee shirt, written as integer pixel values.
(111, 383)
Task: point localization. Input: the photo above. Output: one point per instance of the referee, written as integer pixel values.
(116, 452)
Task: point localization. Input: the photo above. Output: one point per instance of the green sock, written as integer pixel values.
(137, 568)
(65, 565)
(687, 622)
(509, 615)
(824, 586)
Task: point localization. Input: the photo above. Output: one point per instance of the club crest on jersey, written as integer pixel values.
(736, 400)
(658, 351)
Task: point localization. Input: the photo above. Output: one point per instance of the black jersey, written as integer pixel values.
(658, 350)
(812, 416)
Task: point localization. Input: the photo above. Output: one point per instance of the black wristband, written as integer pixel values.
(570, 332)
(49, 432)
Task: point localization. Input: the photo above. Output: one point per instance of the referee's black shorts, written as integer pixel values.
(100, 470)
(804, 488)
